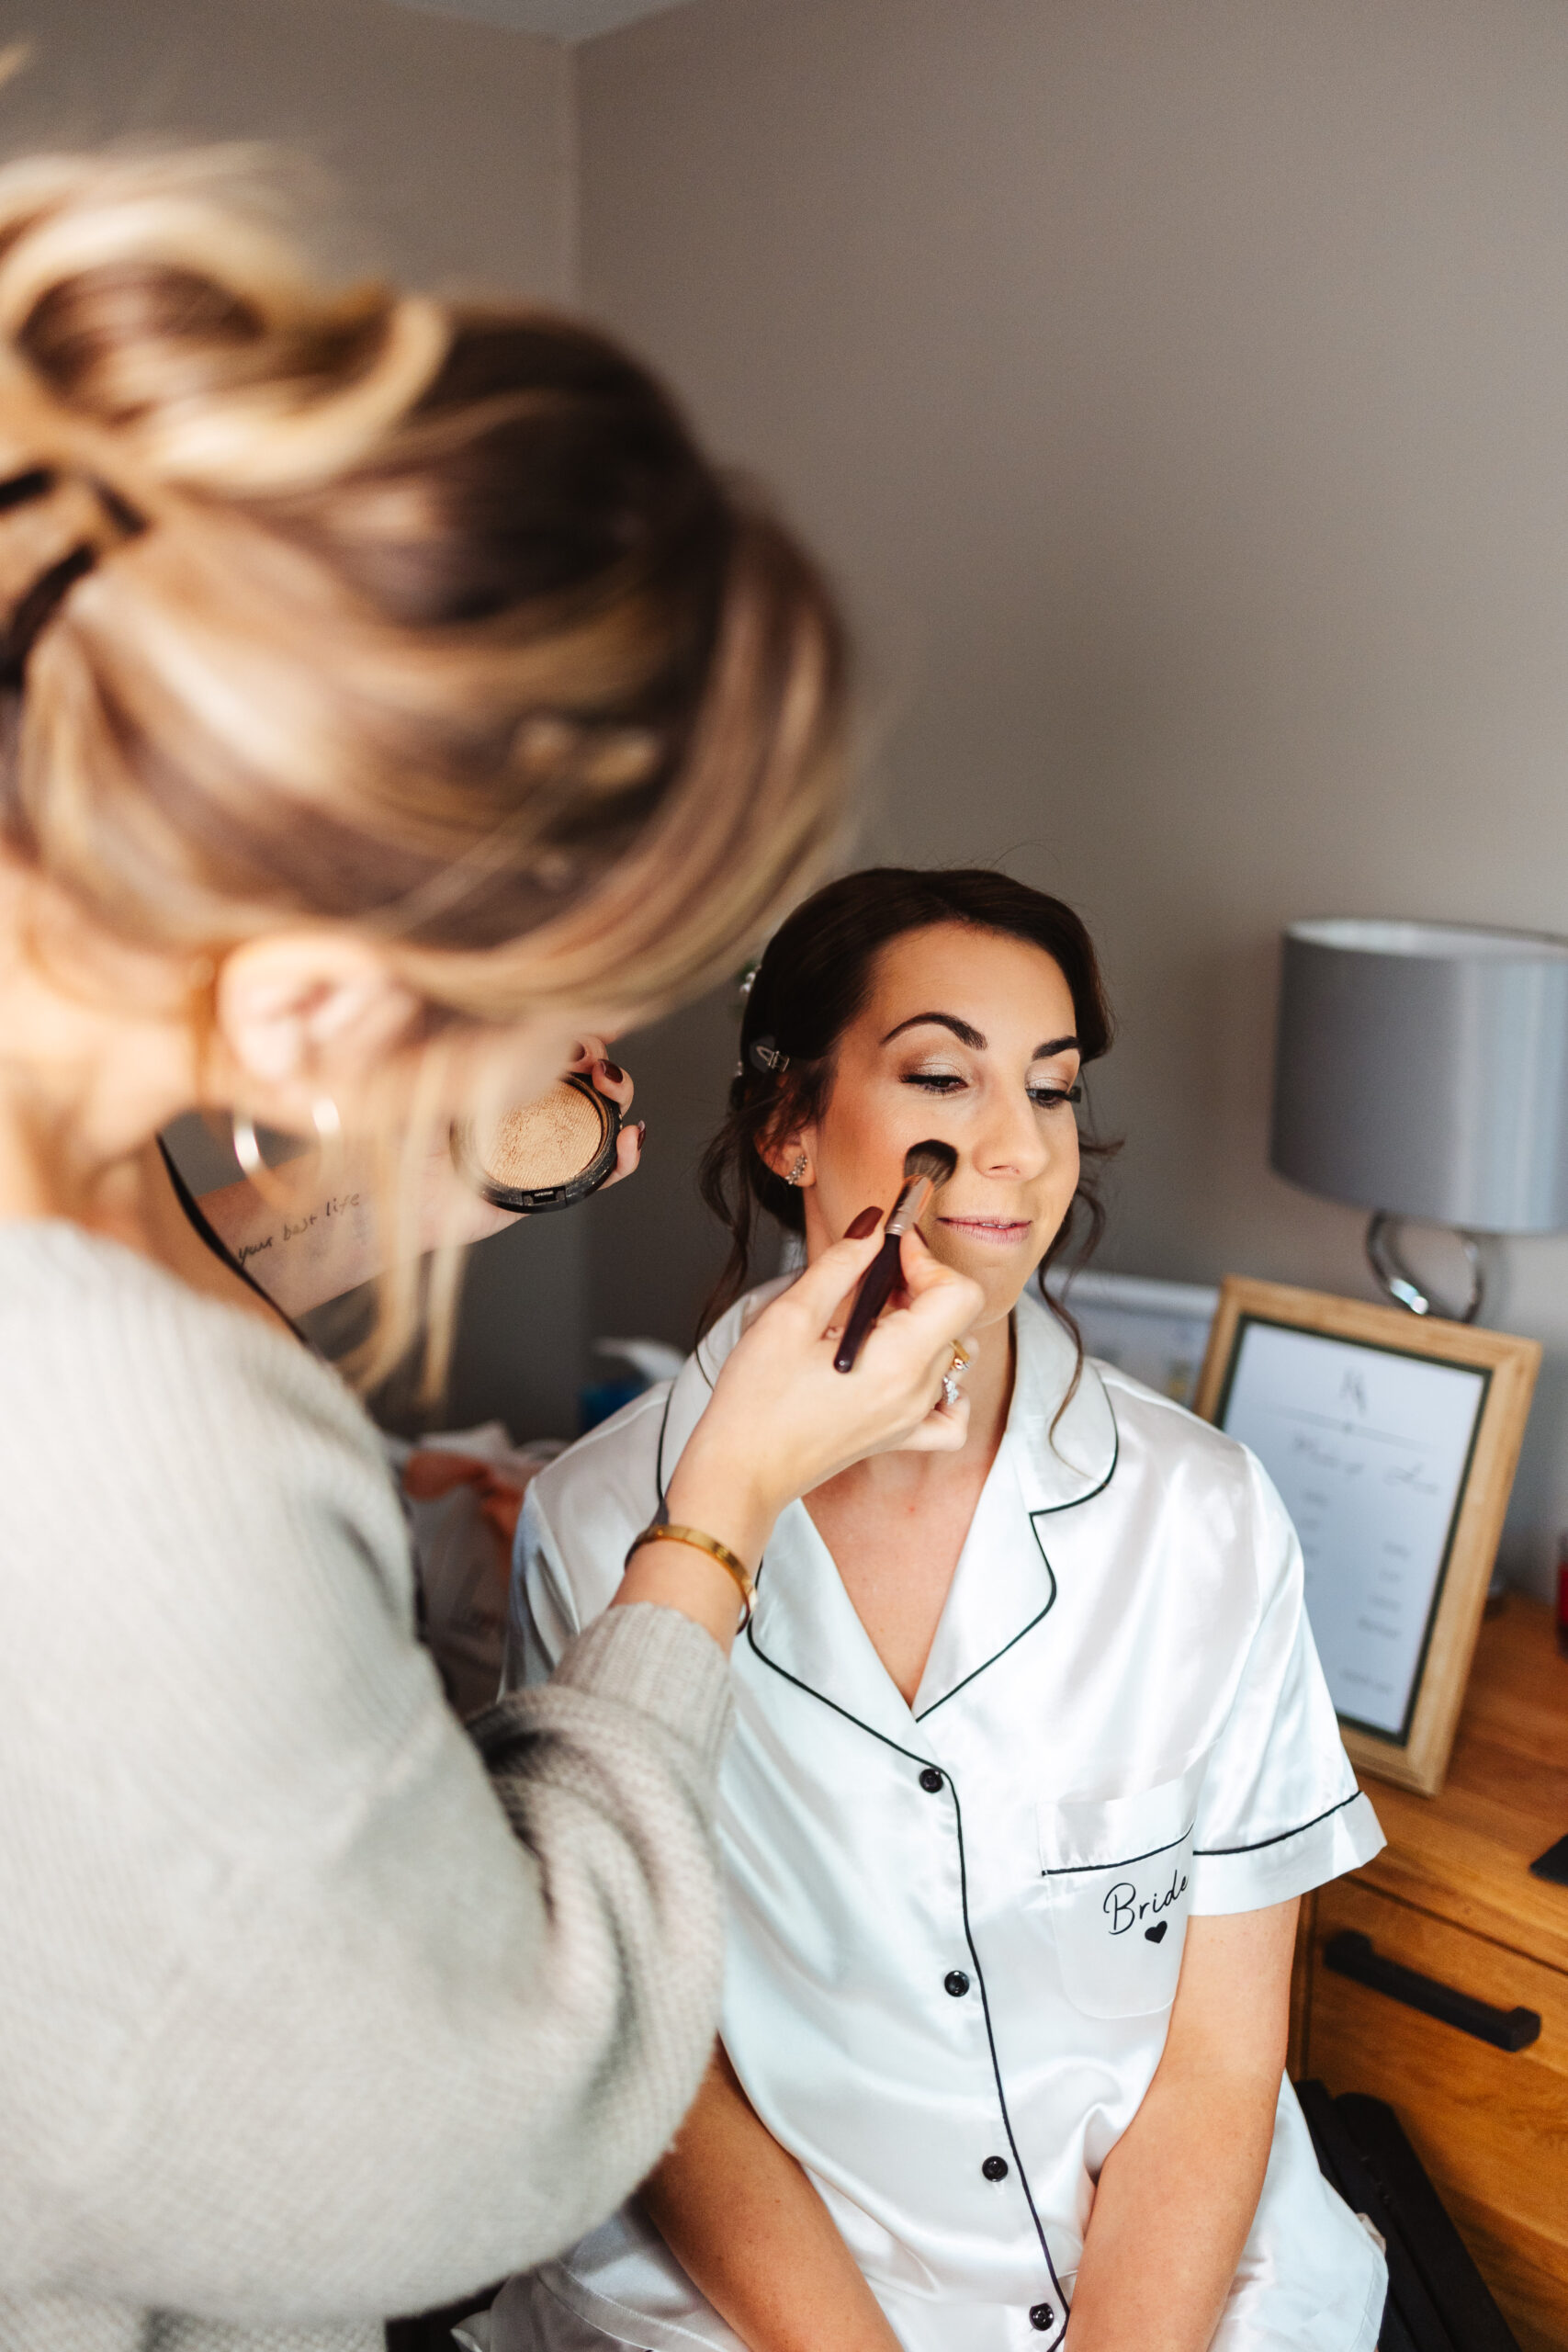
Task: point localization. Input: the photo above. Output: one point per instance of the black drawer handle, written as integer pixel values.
(1351, 1954)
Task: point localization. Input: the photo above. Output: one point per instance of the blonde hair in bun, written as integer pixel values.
(324, 603)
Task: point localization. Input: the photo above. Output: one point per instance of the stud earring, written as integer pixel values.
(797, 1173)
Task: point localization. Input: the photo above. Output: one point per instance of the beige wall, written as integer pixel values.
(451, 142)
(1180, 392)
(450, 149)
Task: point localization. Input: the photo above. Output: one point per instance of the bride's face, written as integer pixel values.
(967, 1036)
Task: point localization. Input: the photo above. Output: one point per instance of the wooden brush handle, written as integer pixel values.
(875, 1288)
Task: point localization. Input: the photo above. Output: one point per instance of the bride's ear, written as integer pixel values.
(788, 1154)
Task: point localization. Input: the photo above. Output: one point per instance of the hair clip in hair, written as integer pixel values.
(765, 1055)
(747, 979)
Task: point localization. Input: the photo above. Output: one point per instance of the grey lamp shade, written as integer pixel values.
(1422, 1069)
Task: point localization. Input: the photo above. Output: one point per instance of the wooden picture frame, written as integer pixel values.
(1446, 1462)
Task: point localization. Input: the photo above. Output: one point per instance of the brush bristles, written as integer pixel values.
(934, 1160)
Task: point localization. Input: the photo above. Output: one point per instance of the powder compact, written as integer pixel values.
(543, 1155)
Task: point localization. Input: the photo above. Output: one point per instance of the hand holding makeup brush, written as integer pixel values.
(781, 1419)
(927, 1168)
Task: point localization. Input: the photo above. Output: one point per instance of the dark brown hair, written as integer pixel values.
(810, 984)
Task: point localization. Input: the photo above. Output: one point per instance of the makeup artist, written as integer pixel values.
(393, 697)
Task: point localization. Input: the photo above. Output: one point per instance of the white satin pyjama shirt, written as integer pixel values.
(955, 1930)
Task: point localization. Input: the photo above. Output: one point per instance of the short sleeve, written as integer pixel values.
(578, 1517)
(542, 1613)
(1279, 1812)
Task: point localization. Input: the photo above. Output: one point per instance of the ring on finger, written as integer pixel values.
(953, 1375)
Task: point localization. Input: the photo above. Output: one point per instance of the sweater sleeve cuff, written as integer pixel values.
(662, 1664)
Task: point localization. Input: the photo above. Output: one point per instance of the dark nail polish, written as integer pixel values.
(616, 1077)
(864, 1225)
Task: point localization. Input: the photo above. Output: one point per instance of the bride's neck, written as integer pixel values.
(987, 1384)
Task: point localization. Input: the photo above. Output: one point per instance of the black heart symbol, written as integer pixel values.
(1153, 1935)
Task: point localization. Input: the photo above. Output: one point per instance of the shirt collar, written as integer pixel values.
(1066, 1452)
(694, 1383)
(1004, 1583)
(806, 1626)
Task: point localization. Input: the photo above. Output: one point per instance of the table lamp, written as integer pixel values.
(1421, 1072)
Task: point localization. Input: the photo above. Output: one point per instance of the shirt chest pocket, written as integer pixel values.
(1118, 1875)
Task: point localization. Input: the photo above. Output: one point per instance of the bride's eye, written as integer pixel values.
(934, 1081)
(1050, 1098)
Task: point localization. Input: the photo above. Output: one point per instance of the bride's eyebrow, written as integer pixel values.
(972, 1037)
(961, 1029)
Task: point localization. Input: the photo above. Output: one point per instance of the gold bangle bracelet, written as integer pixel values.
(661, 1532)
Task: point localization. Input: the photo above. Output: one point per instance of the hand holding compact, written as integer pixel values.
(462, 1200)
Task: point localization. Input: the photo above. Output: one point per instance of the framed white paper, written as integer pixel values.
(1393, 1441)
(1370, 1448)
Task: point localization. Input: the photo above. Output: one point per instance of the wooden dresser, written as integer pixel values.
(1452, 1898)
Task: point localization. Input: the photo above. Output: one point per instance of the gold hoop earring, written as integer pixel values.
(797, 1173)
(287, 1199)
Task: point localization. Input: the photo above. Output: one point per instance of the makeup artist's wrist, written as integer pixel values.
(724, 1501)
(724, 1498)
(680, 1577)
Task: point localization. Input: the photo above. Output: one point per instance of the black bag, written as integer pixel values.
(1437, 2301)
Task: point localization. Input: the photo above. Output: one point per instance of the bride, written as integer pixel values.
(1033, 1756)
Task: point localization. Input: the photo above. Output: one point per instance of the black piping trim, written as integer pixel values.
(995, 2065)
(786, 1675)
(1048, 1510)
(664, 1424)
(1007, 1645)
(1212, 1852)
(1080, 1870)
(658, 1477)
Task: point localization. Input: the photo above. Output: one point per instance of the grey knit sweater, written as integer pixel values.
(312, 2007)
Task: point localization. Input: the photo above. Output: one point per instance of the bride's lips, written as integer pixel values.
(1001, 1232)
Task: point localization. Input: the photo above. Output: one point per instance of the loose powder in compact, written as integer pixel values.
(545, 1143)
(545, 1154)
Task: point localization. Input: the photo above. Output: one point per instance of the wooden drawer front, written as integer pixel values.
(1490, 2125)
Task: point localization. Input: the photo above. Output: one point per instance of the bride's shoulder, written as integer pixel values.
(611, 1474)
(600, 1491)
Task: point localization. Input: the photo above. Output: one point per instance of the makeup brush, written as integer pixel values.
(927, 1166)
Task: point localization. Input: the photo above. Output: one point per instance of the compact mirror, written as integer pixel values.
(543, 1155)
